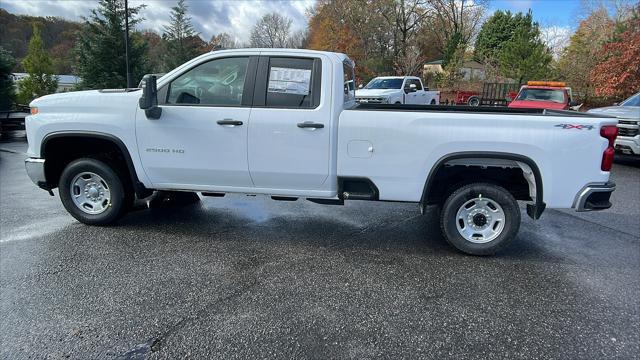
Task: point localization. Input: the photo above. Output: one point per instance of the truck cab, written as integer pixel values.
(397, 90)
(550, 95)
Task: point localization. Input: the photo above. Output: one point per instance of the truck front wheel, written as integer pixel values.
(92, 192)
(480, 219)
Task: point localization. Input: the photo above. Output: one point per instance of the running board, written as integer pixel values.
(284, 198)
(327, 201)
(213, 194)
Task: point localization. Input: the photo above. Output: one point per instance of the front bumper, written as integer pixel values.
(628, 145)
(594, 197)
(35, 170)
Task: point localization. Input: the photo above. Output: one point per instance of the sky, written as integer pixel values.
(236, 17)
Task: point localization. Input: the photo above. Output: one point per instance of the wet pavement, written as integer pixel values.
(240, 277)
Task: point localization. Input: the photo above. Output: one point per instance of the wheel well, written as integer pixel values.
(516, 177)
(59, 151)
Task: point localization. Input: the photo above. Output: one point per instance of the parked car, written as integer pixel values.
(397, 90)
(550, 95)
(285, 123)
(628, 113)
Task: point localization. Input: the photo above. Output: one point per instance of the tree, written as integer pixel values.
(223, 41)
(100, 50)
(40, 80)
(584, 52)
(7, 92)
(525, 57)
(498, 30)
(619, 74)
(156, 51)
(180, 37)
(271, 31)
(512, 43)
(404, 18)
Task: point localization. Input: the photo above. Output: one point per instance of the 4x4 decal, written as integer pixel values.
(575, 126)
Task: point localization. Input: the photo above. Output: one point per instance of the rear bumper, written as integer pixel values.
(35, 170)
(594, 197)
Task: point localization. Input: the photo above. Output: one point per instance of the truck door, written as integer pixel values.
(419, 96)
(200, 138)
(290, 125)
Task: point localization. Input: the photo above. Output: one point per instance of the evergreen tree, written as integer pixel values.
(100, 50)
(180, 37)
(525, 57)
(512, 43)
(7, 93)
(40, 80)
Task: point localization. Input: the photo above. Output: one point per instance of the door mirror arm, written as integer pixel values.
(149, 100)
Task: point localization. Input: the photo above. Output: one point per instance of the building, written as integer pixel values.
(65, 82)
(471, 70)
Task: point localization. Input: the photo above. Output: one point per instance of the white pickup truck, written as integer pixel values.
(285, 123)
(397, 90)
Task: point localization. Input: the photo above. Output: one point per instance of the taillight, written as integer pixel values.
(609, 133)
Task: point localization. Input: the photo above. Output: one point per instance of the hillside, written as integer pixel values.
(58, 35)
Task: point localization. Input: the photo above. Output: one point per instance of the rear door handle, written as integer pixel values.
(229, 122)
(309, 124)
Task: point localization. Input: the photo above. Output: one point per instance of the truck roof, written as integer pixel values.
(397, 77)
(340, 56)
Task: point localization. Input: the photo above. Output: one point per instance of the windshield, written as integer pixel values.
(379, 83)
(542, 95)
(632, 101)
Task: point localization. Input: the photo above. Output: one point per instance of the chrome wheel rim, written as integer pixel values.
(480, 220)
(90, 193)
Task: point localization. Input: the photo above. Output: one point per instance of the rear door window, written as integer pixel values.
(288, 82)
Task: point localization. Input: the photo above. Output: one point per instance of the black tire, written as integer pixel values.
(433, 101)
(398, 103)
(120, 198)
(449, 218)
(473, 101)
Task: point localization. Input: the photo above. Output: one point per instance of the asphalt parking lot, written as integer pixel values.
(240, 277)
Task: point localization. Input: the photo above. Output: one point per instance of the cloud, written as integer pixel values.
(209, 17)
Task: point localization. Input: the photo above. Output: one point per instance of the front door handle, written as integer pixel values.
(309, 124)
(229, 122)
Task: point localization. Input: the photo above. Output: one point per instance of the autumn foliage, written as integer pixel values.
(618, 75)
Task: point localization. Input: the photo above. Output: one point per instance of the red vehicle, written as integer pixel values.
(550, 95)
(470, 98)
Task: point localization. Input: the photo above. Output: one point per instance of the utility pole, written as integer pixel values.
(126, 42)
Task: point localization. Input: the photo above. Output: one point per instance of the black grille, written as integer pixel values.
(627, 132)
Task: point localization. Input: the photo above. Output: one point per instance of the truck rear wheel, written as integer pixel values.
(93, 192)
(480, 219)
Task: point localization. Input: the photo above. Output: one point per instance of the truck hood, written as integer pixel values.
(87, 101)
(377, 92)
(624, 112)
(528, 104)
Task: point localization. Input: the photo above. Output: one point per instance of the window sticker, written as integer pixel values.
(289, 81)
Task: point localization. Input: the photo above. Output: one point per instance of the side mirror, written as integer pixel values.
(149, 100)
(411, 88)
(573, 103)
(360, 86)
